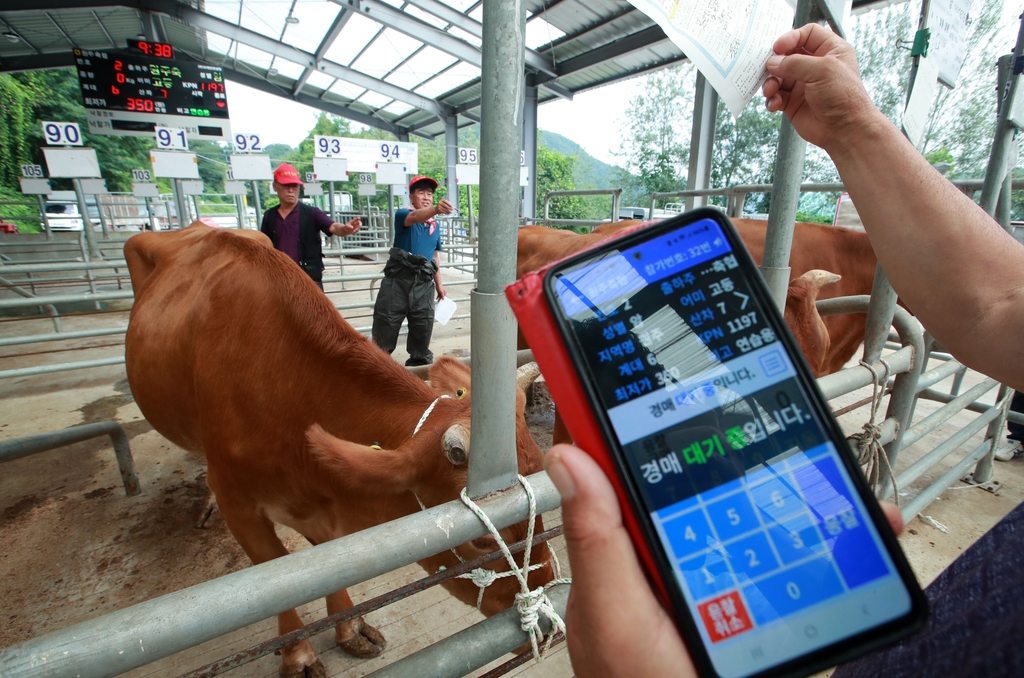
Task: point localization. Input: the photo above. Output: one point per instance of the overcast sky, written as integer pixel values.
(586, 119)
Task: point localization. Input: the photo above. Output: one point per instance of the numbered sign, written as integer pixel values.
(326, 147)
(229, 175)
(32, 171)
(248, 143)
(366, 179)
(522, 158)
(142, 175)
(62, 133)
(468, 156)
(390, 152)
(310, 177)
(171, 139)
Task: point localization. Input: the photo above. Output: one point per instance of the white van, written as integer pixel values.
(63, 216)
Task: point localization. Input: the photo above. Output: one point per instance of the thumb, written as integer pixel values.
(802, 67)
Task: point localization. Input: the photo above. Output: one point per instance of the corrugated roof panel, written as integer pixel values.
(315, 19)
(385, 53)
(266, 18)
(357, 33)
(571, 17)
(465, 94)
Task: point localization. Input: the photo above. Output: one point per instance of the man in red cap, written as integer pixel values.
(296, 232)
(412, 275)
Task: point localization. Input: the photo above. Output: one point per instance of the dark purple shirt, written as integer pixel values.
(288, 232)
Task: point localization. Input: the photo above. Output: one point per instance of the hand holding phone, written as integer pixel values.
(677, 373)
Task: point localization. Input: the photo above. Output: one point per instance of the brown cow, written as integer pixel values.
(842, 251)
(232, 352)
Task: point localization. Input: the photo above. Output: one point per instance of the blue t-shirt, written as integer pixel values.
(422, 239)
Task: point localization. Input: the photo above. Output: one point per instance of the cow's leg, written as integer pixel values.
(355, 636)
(255, 533)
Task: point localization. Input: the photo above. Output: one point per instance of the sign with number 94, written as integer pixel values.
(171, 139)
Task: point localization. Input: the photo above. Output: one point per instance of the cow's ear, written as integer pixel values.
(368, 469)
(450, 376)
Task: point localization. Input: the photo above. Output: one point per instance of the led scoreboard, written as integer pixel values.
(133, 92)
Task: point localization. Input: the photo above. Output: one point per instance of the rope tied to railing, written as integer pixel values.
(530, 604)
(871, 454)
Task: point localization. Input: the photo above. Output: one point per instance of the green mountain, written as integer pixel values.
(590, 172)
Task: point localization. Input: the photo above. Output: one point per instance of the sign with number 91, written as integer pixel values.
(248, 143)
(62, 133)
(468, 156)
(171, 139)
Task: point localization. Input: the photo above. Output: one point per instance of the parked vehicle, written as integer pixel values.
(63, 216)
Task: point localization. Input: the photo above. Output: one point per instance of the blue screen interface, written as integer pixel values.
(769, 541)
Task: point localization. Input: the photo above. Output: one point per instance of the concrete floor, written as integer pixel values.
(74, 495)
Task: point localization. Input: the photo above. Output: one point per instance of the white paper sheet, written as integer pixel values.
(728, 40)
(444, 310)
(915, 116)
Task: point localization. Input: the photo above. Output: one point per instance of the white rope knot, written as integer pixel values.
(532, 605)
(871, 455)
(426, 414)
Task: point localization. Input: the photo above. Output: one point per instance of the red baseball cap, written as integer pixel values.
(285, 174)
(419, 178)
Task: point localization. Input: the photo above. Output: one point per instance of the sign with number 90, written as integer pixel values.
(62, 133)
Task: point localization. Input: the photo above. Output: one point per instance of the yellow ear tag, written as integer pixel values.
(460, 394)
(375, 446)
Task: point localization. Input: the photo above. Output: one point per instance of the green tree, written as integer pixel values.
(655, 145)
(555, 173)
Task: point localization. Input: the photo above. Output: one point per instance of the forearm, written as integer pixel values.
(420, 215)
(952, 265)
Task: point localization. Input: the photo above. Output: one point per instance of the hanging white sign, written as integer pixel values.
(947, 45)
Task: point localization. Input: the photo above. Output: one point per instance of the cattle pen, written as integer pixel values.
(96, 583)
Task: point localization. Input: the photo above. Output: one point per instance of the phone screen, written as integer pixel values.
(766, 535)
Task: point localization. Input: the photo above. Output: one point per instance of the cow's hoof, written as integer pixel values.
(314, 670)
(367, 642)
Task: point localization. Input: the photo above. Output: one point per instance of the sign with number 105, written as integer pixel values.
(171, 139)
(62, 133)
(32, 171)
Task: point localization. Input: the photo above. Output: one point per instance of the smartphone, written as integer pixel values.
(762, 533)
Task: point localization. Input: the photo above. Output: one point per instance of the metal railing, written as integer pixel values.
(615, 193)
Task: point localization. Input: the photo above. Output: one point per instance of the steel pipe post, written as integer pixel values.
(493, 464)
(46, 219)
(702, 141)
(90, 233)
(451, 158)
(880, 313)
(132, 637)
(994, 434)
(996, 169)
(530, 152)
(468, 650)
(256, 202)
(17, 448)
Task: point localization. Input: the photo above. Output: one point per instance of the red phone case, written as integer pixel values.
(526, 296)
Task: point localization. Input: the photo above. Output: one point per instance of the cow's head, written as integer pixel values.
(431, 468)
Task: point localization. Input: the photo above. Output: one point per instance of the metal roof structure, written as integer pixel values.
(405, 66)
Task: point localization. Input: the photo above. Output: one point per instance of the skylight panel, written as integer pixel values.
(374, 99)
(426, 17)
(357, 32)
(223, 9)
(459, 74)
(540, 32)
(385, 53)
(315, 18)
(398, 108)
(253, 56)
(217, 43)
(347, 90)
(265, 18)
(320, 80)
(463, 35)
(288, 69)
